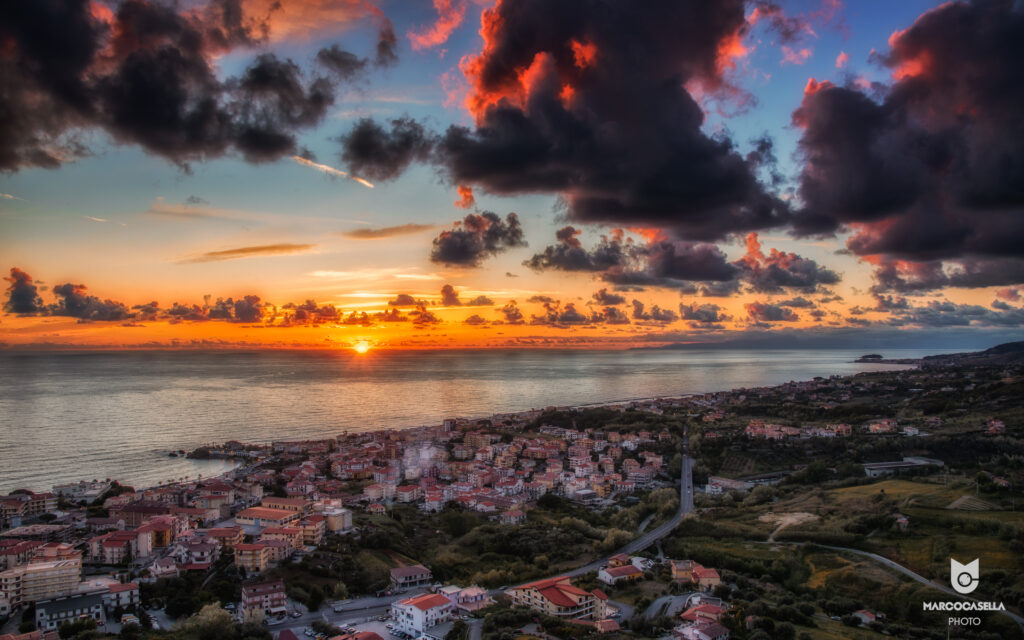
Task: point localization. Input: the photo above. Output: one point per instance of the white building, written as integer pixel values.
(415, 615)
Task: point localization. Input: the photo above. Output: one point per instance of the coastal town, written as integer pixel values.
(555, 522)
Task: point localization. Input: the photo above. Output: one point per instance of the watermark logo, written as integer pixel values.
(963, 577)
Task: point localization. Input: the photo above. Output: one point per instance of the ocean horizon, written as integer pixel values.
(73, 415)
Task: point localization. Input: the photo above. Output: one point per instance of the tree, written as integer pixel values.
(316, 598)
(131, 631)
(458, 631)
(72, 629)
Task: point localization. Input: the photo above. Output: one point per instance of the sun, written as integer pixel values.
(361, 347)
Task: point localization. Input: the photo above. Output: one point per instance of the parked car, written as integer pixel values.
(296, 614)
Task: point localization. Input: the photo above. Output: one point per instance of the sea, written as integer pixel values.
(96, 415)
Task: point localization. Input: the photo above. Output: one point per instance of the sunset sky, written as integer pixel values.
(592, 173)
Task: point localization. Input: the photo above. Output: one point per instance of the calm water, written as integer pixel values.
(66, 417)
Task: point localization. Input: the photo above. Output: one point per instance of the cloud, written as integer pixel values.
(929, 170)
(22, 294)
(780, 270)
(405, 300)
(949, 314)
(477, 237)
(621, 261)
(250, 252)
(545, 95)
(466, 199)
(558, 316)
(450, 14)
(422, 317)
(604, 298)
(386, 232)
(1011, 294)
(798, 302)
(511, 313)
(703, 314)
(656, 314)
(73, 301)
(764, 312)
(331, 171)
(475, 320)
(795, 56)
(842, 60)
(370, 150)
(145, 73)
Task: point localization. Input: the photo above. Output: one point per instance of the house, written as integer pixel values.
(703, 613)
(228, 537)
(614, 575)
(50, 614)
(414, 576)
(703, 631)
(163, 568)
(121, 595)
(252, 558)
(619, 560)
(695, 573)
(559, 597)
(298, 505)
(418, 614)
(468, 599)
(377, 509)
(267, 597)
(515, 516)
(31, 635)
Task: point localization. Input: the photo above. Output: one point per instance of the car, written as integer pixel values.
(350, 630)
(296, 614)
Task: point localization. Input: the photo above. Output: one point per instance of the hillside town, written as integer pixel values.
(101, 551)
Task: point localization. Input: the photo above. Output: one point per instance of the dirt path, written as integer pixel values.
(784, 520)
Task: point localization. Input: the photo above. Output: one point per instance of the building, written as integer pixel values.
(252, 558)
(612, 576)
(228, 537)
(558, 597)
(703, 631)
(695, 573)
(298, 505)
(50, 614)
(338, 519)
(418, 614)
(414, 576)
(910, 463)
(268, 597)
(267, 517)
(468, 599)
(121, 595)
(39, 580)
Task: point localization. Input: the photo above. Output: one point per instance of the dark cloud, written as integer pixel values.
(373, 152)
(511, 313)
(477, 237)
(73, 301)
(245, 309)
(558, 316)
(449, 297)
(541, 299)
(621, 261)
(949, 314)
(22, 294)
(932, 170)
(309, 312)
(421, 316)
(604, 298)
(344, 64)
(548, 96)
(475, 320)
(764, 312)
(798, 302)
(386, 232)
(146, 75)
(610, 315)
(781, 270)
(656, 314)
(705, 313)
(405, 300)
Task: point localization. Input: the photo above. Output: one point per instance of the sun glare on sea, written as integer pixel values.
(361, 347)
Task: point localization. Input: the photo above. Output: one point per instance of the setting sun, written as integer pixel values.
(361, 347)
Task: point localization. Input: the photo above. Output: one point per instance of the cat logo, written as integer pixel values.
(963, 577)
